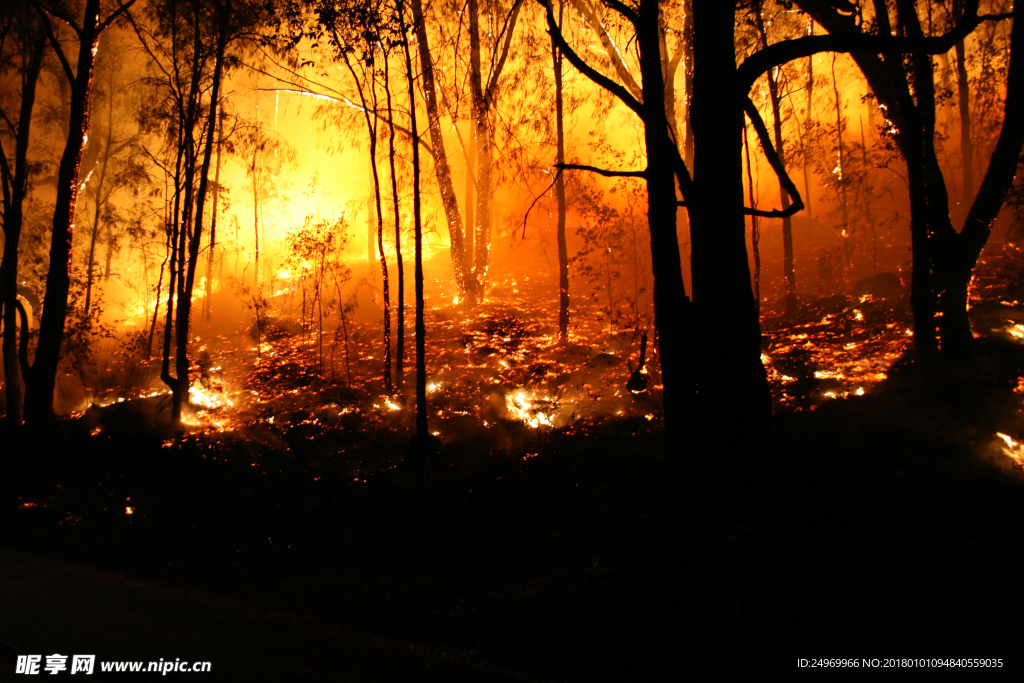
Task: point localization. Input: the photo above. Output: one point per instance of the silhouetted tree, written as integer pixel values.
(23, 49)
(943, 259)
(41, 377)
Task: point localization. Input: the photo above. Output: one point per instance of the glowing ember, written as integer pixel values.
(1012, 449)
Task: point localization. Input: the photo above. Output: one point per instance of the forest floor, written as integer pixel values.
(882, 520)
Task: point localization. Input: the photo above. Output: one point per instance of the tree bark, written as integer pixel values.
(400, 332)
(16, 189)
(442, 170)
(787, 220)
(422, 432)
(42, 378)
(207, 304)
(672, 309)
(563, 251)
(731, 379)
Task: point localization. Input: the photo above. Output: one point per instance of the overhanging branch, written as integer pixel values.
(776, 163)
(607, 173)
(788, 50)
(584, 68)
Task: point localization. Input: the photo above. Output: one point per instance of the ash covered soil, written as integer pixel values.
(559, 536)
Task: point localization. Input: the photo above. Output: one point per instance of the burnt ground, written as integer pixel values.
(559, 537)
(878, 526)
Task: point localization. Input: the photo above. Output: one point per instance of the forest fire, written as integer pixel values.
(531, 409)
(440, 322)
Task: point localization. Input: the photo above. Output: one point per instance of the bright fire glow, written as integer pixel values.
(530, 409)
(1012, 449)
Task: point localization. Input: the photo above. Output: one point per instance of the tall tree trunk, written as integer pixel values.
(400, 346)
(806, 139)
(964, 104)
(442, 170)
(672, 312)
(184, 304)
(422, 436)
(688, 75)
(256, 223)
(956, 254)
(787, 220)
(731, 379)
(16, 186)
(471, 169)
(563, 251)
(755, 235)
(482, 136)
(889, 82)
(371, 126)
(42, 379)
(207, 304)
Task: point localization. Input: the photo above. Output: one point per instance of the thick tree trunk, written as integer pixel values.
(17, 186)
(672, 310)
(442, 170)
(958, 253)
(731, 380)
(42, 379)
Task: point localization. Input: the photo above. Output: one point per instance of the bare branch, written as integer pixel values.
(507, 30)
(788, 50)
(623, 9)
(536, 199)
(602, 171)
(56, 12)
(55, 43)
(584, 68)
(610, 48)
(114, 15)
(776, 163)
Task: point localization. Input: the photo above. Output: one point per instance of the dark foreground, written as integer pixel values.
(882, 526)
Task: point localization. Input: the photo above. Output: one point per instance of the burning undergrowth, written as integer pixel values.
(498, 376)
(835, 348)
